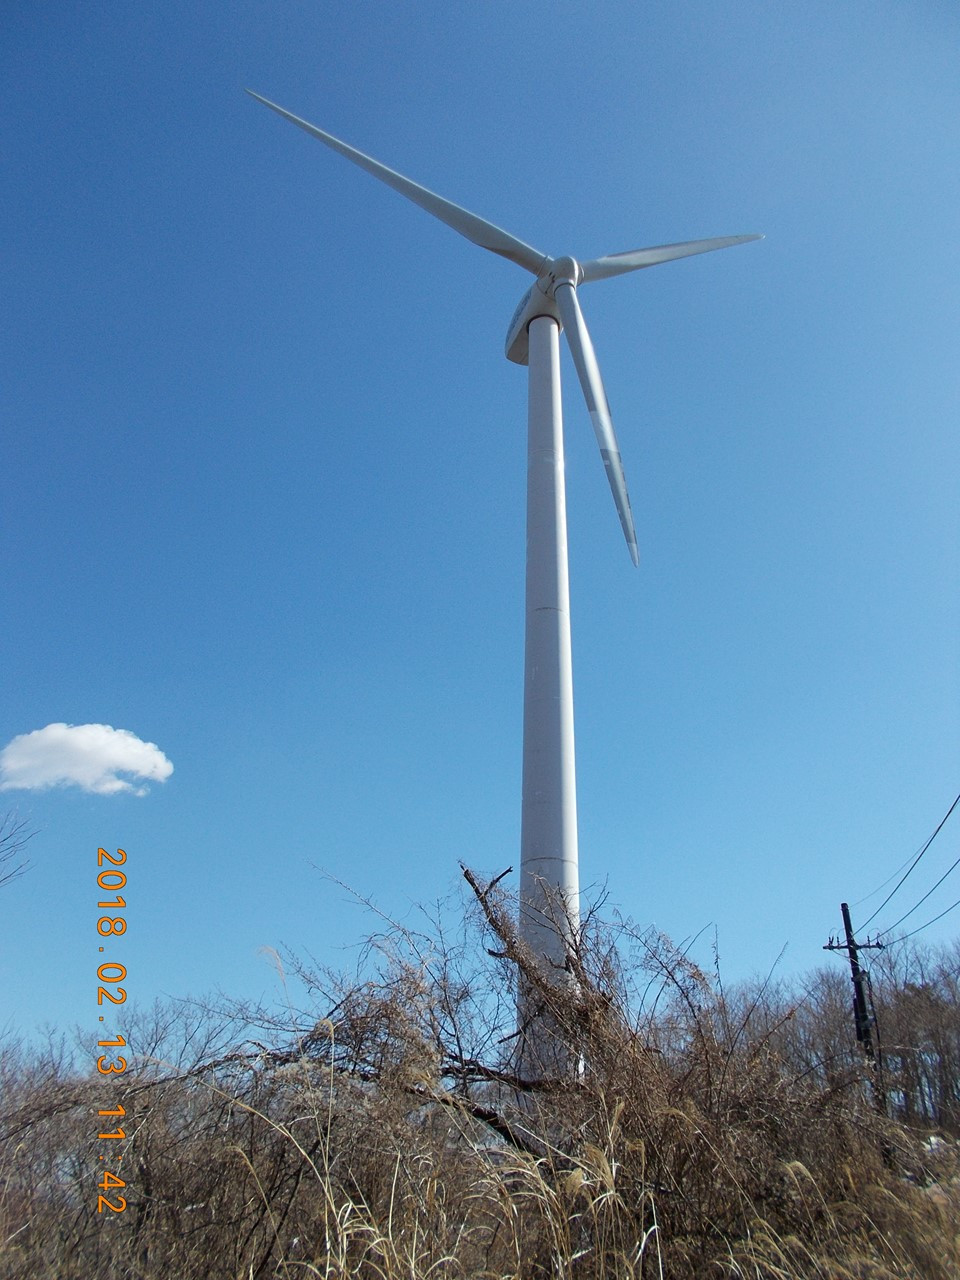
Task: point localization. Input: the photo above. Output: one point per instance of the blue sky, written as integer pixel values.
(264, 467)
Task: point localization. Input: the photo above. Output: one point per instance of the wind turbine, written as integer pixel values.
(549, 876)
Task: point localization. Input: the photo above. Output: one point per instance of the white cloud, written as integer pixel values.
(91, 756)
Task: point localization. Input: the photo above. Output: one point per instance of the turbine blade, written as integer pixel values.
(581, 348)
(615, 264)
(474, 228)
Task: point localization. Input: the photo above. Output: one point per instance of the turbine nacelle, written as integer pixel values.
(534, 303)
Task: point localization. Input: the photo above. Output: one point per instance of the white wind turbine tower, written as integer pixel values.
(549, 878)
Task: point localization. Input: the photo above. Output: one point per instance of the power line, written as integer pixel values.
(929, 922)
(880, 887)
(925, 897)
(913, 864)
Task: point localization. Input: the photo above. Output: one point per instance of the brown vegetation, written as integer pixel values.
(698, 1132)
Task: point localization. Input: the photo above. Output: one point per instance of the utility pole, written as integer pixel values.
(862, 1019)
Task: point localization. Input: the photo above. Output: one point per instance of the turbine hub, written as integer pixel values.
(560, 271)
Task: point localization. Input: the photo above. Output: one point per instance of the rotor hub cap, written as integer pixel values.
(562, 271)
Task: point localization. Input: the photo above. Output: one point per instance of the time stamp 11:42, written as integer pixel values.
(109, 974)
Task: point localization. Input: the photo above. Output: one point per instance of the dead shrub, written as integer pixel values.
(391, 1129)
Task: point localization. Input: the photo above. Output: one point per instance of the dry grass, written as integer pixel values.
(392, 1138)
